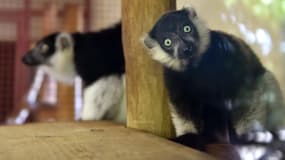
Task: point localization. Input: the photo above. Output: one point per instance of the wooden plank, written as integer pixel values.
(88, 141)
(146, 95)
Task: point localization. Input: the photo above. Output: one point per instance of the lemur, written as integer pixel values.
(217, 86)
(96, 57)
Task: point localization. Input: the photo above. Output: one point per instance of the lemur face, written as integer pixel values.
(42, 51)
(46, 48)
(176, 35)
(177, 38)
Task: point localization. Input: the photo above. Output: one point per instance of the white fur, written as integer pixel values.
(158, 54)
(182, 126)
(61, 64)
(63, 37)
(104, 100)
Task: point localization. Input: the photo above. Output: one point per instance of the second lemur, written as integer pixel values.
(96, 57)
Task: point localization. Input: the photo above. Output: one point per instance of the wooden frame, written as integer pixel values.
(146, 95)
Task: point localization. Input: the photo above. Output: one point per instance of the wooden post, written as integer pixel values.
(72, 21)
(49, 26)
(146, 95)
(49, 18)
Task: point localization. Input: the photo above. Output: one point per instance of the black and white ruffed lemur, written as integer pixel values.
(96, 57)
(217, 86)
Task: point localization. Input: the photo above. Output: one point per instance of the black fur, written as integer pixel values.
(216, 82)
(202, 93)
(101, 48)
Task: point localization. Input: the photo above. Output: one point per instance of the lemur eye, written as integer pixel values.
(44, 48)
(167, 42)
(187, 29)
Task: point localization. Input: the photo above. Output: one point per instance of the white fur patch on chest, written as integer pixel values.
(104, 100)
(61, 66)
(181, 125)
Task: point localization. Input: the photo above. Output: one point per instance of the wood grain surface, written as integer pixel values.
(88, 141)
(146, 95)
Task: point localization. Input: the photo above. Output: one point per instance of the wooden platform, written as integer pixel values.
(88, 141)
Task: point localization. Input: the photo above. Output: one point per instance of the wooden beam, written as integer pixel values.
(86, 141)
(72, 20)
(146, 95)
(87, 14)
(50, 18)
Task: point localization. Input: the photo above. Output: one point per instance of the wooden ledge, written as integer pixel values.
(88, 141)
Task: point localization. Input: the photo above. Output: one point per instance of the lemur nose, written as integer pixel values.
(30, 60)
(27, 59)
(188, 51)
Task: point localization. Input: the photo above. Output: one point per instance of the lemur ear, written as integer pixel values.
(148, 42)
(63, 41)
(191, 11)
